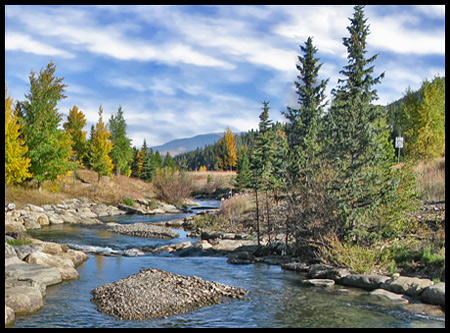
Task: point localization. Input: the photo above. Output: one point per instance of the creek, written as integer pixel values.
(277, 299)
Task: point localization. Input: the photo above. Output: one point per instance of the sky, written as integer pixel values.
(179, 71)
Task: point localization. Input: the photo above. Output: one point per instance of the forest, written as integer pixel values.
(331, 169)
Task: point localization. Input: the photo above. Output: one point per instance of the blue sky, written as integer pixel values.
(179, 71)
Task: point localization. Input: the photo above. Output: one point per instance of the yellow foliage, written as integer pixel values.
(16, 165)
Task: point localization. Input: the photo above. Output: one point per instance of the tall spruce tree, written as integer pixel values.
(306, 199)
(303, 121)
(358, 142)
(121, 154)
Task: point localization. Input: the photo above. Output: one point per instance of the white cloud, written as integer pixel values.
(15, 41)
(391, 33)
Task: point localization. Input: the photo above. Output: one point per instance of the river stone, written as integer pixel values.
(318, 282)
(46, 275)
(434, 294)
(411, 286)
(154, 293)
(63, 264)
(393, 297)
(23, 299)
(9, 316)
(363, 281)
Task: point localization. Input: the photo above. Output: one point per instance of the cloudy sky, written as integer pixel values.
(178, 71)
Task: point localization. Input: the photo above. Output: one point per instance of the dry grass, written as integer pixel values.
(109, 190)
(211, 180)
(431, 179)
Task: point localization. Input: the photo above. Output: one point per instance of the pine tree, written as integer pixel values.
(16, 164)
(244, 174)
(49, 148)
(100, 148)
(76, 121)
(303, 121)
(168, 161)
(121, 154)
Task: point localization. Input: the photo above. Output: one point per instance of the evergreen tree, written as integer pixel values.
(358, 142)
(157, 160)
(146, 168)
(121, 154)
(303, 121)
(244, 174)
(49, 148)
(168, 161)
(135, 163)
(16, 164)
(100, 148)
(74, 127)
(305, 196)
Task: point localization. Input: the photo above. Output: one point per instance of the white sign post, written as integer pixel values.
(399, 145)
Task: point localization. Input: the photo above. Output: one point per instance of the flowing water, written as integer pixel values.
(276, 297)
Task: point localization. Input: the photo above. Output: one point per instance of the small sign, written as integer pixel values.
(399, 142)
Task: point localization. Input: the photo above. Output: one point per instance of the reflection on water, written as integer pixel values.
(276, 297)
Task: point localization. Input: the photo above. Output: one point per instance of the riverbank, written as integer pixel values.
(32, 265)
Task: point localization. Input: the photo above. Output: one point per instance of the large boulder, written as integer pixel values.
(23, 299)
(363, 281)
(63, 264)
(9, 316)
(39, 273)
(411, 286)
(434, 294)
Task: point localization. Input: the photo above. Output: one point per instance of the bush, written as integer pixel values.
(233, 207)
(172, 186)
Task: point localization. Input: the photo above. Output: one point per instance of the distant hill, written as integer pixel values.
(179, 146)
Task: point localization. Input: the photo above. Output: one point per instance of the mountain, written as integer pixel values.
(179, 146)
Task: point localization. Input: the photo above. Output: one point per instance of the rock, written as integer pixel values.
(364, 281)
(296, 266)
(41, 218)
(241, 258)
(203, 245)
(63, 264)
(145, 230)
(154, 293)
(9, 316)
(10, 206)
(320, 271)
(173, 247)
(77, 257)
(46, 275)
(410, 286)
(30, 222)
(24, 250)
(11, 259)
(13, 226)
(393, 297)
(434, 294)
(34, 208)
(23, 299)
(230, 244)
(318, 282)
